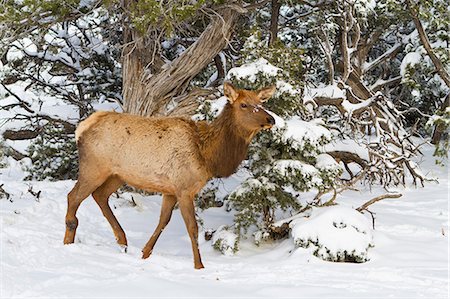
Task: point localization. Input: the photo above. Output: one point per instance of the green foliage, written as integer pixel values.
(284, 55)
(53, 154)
(35, 13)
(256, 200)
(206, 198)
(166, 15)
(322, 252)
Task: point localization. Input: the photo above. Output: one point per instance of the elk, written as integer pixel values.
(171, 155)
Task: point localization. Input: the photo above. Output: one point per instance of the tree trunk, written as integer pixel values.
(426, 44)
(146, 90)
(274, 22)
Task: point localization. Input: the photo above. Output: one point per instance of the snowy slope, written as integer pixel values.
(409, 260)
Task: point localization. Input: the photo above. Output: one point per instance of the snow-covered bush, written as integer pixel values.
(225, 240)
(336, 234)
(54, 155)
(282, 162)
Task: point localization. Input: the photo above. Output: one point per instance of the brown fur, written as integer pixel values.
(174, 156)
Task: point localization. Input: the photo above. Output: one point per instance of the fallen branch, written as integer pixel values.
(378, 198)
(348, 157)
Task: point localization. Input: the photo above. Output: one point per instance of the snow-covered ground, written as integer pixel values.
(409, 260)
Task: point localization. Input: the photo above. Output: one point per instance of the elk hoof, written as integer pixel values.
(146, 254)
(67, 242)
(123, 248)
(199, 266)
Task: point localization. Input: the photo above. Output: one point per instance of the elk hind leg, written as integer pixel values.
(82, 189)
(101, 196)
(168, 203)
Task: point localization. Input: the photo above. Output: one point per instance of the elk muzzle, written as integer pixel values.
(270, 121)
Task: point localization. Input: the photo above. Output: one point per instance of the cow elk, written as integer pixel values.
(171, 155)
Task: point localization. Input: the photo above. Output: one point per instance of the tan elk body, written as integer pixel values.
(174, 156)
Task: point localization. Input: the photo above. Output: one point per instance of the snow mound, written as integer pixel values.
(337, 234)
(225, 241)
(301, 131)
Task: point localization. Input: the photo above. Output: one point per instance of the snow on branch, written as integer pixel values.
(386, 55)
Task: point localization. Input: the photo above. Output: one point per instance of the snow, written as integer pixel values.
(347, 145)
(284, 87)
(279, 121)
(325, 161)
(350, 108)
(329, 91)
(250, 70)
(409, 60)
(249, 185)
(225, 240)
(299, 131)
(295, 167)
(86, 3)
(409, 260)
(287, 166)
(333, 231)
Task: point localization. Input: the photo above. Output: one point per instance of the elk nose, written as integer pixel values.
(271, 120)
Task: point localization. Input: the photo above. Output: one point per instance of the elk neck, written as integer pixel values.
(224, 143)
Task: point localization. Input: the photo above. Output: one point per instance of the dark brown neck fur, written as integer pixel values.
(224, 144)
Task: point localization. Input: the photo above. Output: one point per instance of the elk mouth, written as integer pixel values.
(266, 126)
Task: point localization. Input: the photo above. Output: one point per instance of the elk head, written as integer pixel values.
(247, 107)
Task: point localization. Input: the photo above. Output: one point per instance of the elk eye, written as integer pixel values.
(243, 105)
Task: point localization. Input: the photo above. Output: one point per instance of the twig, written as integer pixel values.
(34, 193)
(372, 214)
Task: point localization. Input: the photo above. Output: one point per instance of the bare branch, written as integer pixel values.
(389, 54)
(24, 134)
(378, 198)
(380, 84)
(348, 157)
(326, 48)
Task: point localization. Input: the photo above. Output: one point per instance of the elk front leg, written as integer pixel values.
(187, 211)
(168, 203)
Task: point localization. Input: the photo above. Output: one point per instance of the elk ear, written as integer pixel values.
(230, 92)
(266, 93)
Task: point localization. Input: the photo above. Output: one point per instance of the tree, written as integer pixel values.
(119, 51)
